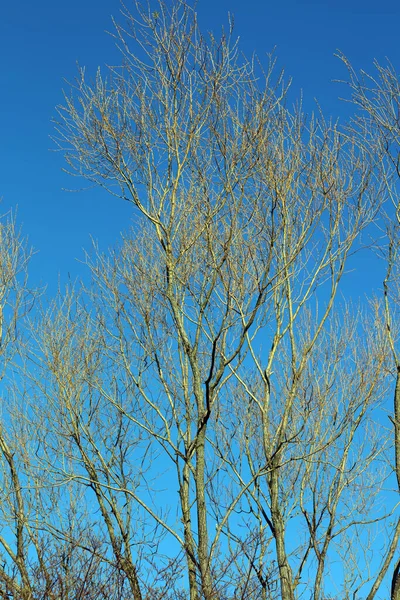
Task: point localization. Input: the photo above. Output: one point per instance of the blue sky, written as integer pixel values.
(40, 44)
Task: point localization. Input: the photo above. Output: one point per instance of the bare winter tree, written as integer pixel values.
(206, 418)
(14, 302)
(377, 98)
(219, 347)
(48, 548)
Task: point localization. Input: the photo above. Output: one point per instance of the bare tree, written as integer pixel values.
(219, 309)
(47, 549)
(86, 439)
(15, 302)
(203, 418)
(376, 123)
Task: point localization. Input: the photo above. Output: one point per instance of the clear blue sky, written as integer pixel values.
(40, 43)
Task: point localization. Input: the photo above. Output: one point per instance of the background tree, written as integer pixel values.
(376, 123)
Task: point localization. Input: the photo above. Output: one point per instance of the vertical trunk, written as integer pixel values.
(397, 426)
(206, 581)
(189, 545)
(285, 572)
(131, 573)
(320, 571)
(395, 592)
